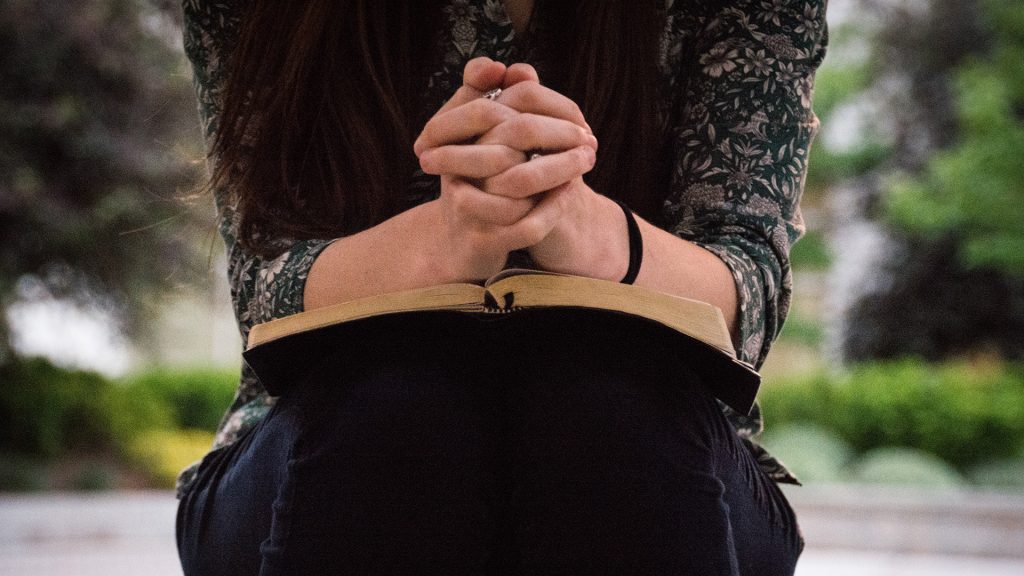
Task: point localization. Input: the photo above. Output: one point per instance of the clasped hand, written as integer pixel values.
(495, 199)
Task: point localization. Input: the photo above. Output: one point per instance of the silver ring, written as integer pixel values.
(492, 94)
(533, 155)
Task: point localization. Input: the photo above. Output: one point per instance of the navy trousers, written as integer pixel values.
(542, 444)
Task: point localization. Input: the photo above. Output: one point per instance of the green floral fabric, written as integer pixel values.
(736, 100)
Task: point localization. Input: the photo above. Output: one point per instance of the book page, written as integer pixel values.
(468, 297)
(691, 317)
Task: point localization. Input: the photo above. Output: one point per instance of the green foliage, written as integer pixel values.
(164, 453)
(976, 187)
(811, 252)
(94, 97)
(839, 82)
(46, 411)
(157, 422)
(835, 84)
(826, 167)
(196, 398)
(803, 331)
(965, 413)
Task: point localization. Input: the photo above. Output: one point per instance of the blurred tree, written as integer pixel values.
(947, 79)
(94, 105)
(975, 187)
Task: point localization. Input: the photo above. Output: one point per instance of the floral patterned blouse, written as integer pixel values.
(737, 76)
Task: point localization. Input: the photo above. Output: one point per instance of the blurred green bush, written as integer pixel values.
(158, 421)
(811, 252)
(967, 413)
(164, 453)
(196, 398)
(46, 410)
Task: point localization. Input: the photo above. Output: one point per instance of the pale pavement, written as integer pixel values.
(867, 532)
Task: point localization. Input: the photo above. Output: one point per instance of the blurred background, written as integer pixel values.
(896, 390)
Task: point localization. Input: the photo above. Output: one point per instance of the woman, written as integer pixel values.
(365, 147)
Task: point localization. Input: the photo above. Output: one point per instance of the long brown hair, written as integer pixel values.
(320, 109)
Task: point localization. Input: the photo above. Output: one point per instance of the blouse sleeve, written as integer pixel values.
(742, 140)
(261, 288)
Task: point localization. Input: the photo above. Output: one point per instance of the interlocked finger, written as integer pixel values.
(463, 123)
(539, 222)
(480, 209)
(470, 161)
(541, 174)
(530, 96)
(529, 131)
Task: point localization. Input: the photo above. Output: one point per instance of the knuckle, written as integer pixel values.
(475, 111)
(498, 185)
(531, 94)
(491, 113)
(510, 157)
(528, 126)
(584, 157)
(522, 181)
(505, 215)
(426, 138)
(497, 162)
(501, 214)
(577, 134)
(426, 161)
(575, 108)
(513, 210)
(533, 231)
(460, 203)
(531, 180)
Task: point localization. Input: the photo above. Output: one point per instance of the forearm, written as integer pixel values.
(679, 267)
(598, 245)
(391, 256)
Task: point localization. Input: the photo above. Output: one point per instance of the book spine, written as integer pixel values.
(507, 303)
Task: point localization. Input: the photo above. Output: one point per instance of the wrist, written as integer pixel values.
(612, 261)
(595, 245)
(433, 264)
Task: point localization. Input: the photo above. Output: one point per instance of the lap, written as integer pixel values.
(504, 453)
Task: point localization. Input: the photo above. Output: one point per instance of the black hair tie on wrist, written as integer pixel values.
(636, 245)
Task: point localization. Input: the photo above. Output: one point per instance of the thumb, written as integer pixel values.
(483, 74)
(480, 75)
(520, 72)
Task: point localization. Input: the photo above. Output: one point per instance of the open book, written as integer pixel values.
(704, 342)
